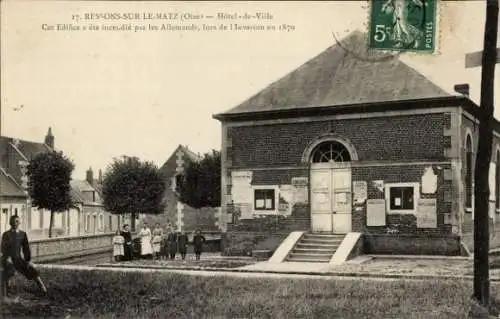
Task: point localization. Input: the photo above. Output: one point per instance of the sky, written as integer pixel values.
(142, 93)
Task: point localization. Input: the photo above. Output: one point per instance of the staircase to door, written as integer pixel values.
(317, 248)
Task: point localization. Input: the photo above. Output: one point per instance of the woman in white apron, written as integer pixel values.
(146, 247)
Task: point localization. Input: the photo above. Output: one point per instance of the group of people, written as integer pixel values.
(156, 244)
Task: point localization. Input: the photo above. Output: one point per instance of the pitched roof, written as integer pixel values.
(76, 195)
(78, 187)
(8, 187)
(171, 163)
(28, 149)
(81, 185)
(97, 186)
(190, 154)
(345, 73)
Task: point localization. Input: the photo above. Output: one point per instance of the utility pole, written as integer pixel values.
(481, 191)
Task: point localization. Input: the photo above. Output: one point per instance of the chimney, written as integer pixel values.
(100, 176)
(462, 89)
(90, 176)
(49, 138)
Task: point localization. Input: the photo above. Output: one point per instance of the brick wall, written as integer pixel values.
(403, 174)
(416, 137)
(411, 245)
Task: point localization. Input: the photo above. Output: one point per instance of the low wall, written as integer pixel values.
(240, 243)
(400, 244)
(56, 249)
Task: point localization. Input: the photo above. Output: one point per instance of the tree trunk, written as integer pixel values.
(51, 223)
(132, 221)
(481, 176)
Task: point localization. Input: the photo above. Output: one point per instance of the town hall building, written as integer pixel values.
(346, 144)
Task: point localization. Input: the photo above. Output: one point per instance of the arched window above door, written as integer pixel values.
(330, 151)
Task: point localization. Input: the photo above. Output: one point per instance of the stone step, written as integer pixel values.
(321, 241)
(322, 252)
(325, 250)
(309, 259)
(325, 235)
(311, 254)
(316, 245)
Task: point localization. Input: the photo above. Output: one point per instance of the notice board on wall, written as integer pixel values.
(427, 213)
(375, 212)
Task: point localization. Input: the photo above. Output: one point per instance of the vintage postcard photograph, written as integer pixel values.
(250, 159)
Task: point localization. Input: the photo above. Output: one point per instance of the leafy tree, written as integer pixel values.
(200, 184)
(134, 187)
(49, 176)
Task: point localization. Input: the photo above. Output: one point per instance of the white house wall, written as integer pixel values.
(9, 208)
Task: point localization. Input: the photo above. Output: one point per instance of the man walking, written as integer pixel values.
(16, 255)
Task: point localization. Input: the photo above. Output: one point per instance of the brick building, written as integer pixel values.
(345, 144)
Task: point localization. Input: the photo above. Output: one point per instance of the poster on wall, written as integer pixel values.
(378, 184)
(241, 187)
(429, 181)
(375, 212)
(360, 190)
(300, 192)
(427, 213)
(245, 210)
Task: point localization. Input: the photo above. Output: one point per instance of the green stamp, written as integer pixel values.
(403, 25)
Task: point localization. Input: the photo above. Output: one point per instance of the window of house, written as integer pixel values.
(177, 183)
(101, 221)
(110, 222)
(264, 199)
(468, 173)
(87, 222)
(402, 197)
(497, 184)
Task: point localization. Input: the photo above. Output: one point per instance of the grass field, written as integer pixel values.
(104, 294)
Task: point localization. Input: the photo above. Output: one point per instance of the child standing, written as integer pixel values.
(118, 249)
(172, 244)
(198, 242)
(182, 242)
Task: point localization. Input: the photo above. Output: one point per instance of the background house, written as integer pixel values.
(15, 155)
(86, 217)
(13, 200)
(180, 215)
(92, 217)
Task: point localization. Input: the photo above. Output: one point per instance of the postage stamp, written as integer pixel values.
(403, 25)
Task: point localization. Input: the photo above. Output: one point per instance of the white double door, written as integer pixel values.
(331, 199)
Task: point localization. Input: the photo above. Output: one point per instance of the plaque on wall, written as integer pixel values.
(427, 216)
(360, 190)
(375, 212)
